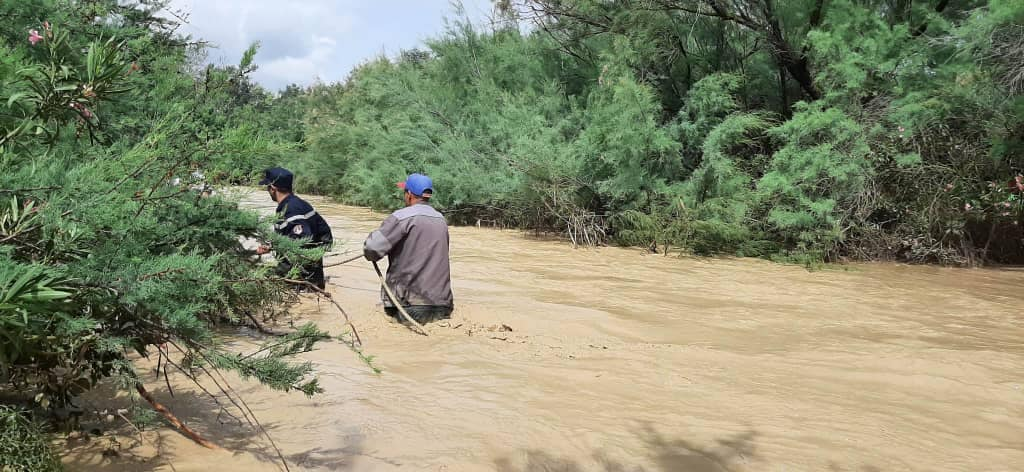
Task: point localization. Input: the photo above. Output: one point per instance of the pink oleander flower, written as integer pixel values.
(1006, 204)
(967, 207)
(33, 37)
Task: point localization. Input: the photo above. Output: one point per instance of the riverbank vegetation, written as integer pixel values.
(111, 247)
(808, 130)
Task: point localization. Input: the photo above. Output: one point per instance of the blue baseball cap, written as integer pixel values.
(417, 184)
(278, 177)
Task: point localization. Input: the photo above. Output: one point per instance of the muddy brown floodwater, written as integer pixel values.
(614, 360)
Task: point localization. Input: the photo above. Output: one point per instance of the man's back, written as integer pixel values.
(416, 241)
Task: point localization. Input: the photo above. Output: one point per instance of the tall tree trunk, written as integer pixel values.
(784, 108)
(794, 61)
(719, 48)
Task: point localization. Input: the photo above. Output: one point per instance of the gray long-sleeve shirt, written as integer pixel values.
(415, 239)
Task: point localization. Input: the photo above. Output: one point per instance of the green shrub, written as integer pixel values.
(23, 445)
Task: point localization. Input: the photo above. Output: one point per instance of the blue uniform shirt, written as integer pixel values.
(300, 221)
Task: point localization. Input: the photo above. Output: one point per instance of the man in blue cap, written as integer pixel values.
(415, 239)
(298, 220)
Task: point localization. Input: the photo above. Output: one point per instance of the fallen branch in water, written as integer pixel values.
(194, 436)
(251, 414)
(234, 397)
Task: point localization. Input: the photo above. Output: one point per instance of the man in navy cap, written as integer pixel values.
(297, 220)
(415, 239)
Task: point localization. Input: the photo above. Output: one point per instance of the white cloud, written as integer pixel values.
(301, 41)
(303, 69)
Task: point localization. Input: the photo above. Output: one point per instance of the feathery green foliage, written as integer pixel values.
(801, 130)
(110, 248)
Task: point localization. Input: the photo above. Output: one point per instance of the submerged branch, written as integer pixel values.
(188, 432)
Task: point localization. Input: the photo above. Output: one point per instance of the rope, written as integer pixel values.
(387, 289)
(395, 301)
(346, 261)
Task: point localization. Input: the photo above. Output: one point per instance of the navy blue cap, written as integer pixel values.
(278, 177)
(416, 184)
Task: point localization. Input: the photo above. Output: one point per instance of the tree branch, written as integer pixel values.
(194, 436)
(30, 189)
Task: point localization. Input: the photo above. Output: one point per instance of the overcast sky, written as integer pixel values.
(309, 39)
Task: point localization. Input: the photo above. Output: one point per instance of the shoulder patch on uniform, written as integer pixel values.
(297, 229)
